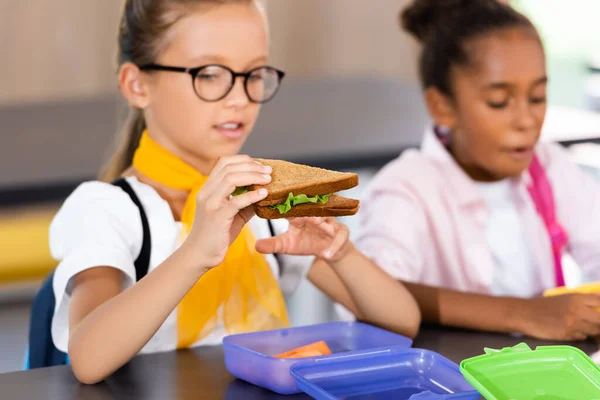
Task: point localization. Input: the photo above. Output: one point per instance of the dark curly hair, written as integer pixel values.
(444, 26)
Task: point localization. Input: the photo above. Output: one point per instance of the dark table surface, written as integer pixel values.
(200, 373)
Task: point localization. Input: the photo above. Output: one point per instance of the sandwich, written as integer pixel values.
(302, 191)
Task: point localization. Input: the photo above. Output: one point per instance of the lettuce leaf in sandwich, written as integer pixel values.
(293, 201)
(299, 190)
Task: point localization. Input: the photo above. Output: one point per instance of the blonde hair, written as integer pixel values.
(143, 27)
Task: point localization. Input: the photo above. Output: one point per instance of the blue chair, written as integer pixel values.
(41, 351)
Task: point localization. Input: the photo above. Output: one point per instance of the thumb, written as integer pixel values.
(269, 245)
(247, 213)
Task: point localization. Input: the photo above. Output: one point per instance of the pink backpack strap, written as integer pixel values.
(543, 198)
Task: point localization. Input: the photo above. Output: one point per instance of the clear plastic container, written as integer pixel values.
(248, 356)
(399, 374)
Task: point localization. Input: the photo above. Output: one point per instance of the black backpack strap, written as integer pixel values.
(41, 350)
(142, 263)
(277, 256)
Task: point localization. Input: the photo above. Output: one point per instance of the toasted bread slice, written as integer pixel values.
(289, 178)
(337, 206)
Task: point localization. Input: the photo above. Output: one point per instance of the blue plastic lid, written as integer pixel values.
(249, 356)
(394, 373)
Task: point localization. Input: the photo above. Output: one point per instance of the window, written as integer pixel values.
(570, 30)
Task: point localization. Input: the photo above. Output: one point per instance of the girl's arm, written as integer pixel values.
(569, 317)
(346, 275)
(368, 292)
(109, 326)
(467, 310)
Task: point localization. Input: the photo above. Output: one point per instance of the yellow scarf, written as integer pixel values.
(243, 286)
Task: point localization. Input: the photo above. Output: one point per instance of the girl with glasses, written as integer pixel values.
(195, 74)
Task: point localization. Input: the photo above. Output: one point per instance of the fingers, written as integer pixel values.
(585, 329)
(585, 319)
(590, 300)
(228, 174)
(232, 165)
(231, 180)
(301, 222)
(244, 201)
(327, 225)
(339, 240)
(270, 245)
(578, 336)
(216, 173)
(321, 220)
(219, 198)
(236, 159)
(247, 213)
(309, 220)
(322, 224)
(252, 166)
(591, 315)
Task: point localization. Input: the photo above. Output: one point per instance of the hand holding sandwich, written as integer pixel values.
(306, 196)
(220, 217)
(271, 189)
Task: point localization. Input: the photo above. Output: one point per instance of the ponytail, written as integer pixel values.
(128, 141)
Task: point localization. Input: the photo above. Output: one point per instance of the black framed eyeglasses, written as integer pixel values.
(214, 82)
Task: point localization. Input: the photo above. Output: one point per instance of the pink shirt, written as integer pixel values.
(423, 220)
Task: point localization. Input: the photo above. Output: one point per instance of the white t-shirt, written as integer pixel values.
(99, 225)
(514, 273)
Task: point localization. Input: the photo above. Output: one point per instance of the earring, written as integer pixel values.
(443, 134)
(442, 130)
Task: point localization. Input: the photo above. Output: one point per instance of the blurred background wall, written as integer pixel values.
(59, 90)
(350, 101)
(65, 49)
